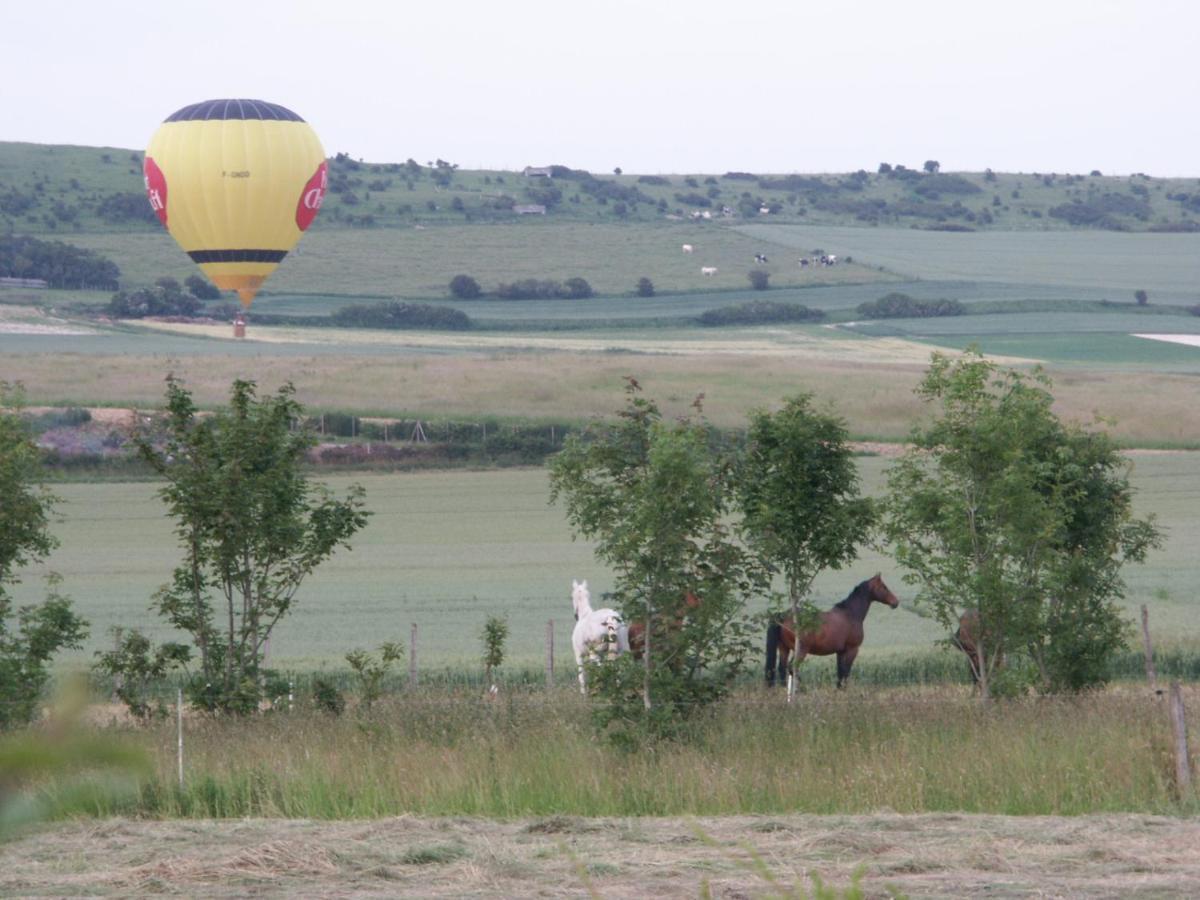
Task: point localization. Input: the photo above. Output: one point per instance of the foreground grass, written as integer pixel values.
(529, 754)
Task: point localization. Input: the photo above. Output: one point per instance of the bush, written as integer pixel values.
(760, 312)
(327, 697)
(946, 184)
(901, 306)
(577, 288)
(654, 179)
(401, 315)
(164, 299)
(464, 287)
(544, 289)
(645, 287)
(201, 288)
(758, 279)
(128, 206)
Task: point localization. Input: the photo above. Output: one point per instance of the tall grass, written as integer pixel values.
(531, 754)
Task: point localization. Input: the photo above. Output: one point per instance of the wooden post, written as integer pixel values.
(550, 653)
(179, 725)
(412, 657)
(119, 678)
(1183, 762)
(1151, 674)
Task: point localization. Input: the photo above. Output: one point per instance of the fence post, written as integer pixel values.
(412, 657)
(119, 678)
(550, 653)
(1183, 762)
(1151, 674)
(179, 721)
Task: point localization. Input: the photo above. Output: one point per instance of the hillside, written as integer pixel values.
(48, 189)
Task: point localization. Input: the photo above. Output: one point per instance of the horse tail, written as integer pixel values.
(612, 641)
(774, 636)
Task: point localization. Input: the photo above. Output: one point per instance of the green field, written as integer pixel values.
(446, 549)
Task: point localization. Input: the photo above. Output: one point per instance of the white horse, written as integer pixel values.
(599, 633)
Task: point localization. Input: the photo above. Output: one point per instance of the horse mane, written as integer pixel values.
(859, 589)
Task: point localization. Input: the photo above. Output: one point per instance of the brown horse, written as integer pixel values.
(840, 631)
(637, 628)
(966, 639)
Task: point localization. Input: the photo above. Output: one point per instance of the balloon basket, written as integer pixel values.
(239, 326)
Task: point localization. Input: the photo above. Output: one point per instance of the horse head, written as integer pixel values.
(581, 600)
(881, 593)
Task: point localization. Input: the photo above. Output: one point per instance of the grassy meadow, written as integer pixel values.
(535, 754)
(446, 549)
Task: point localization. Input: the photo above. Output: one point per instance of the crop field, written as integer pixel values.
(446, 549)
(419, 263)
(1165, 265)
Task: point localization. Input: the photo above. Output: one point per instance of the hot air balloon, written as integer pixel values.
(236, 183)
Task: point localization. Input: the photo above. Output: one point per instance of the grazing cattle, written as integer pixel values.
(760, 258)
(688, 248)
(708, 270)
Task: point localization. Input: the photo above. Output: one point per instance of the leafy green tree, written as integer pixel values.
(654, 498)
(797, 489)
(1000, 509)
(371, 670)
(31, 635)
(759, 279)
(1141, 297)
(495, 633)
(464, 287)
(931, 166)
(137, 666)
(645, 287)
(251, 527)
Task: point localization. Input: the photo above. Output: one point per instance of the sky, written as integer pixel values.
(655, 86)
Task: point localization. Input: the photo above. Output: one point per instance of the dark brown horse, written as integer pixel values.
(637, 628)
(840, 631)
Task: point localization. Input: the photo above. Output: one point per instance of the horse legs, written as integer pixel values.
(845, 660)
(579, 666)
(784, 667)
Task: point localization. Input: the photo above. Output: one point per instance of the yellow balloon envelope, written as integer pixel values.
(236, 183)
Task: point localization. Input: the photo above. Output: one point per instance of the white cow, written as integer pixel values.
(688, 248)
(708, 270)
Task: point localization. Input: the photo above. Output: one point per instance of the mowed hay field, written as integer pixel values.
(937, 855)
(446, 549)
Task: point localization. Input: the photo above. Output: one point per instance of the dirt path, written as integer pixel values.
(920, 856)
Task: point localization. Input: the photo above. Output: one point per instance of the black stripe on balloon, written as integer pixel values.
(234, 109)
(228, 256)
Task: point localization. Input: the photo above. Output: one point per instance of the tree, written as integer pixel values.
(797, 490)
(495, 633)
(576, 289)
(39, 631)
(616, 170)
(932, 166)
(1141, 297)
(464, 287)
(201, 288)
(885, 168)
(251, 527)
(759, 279)
(645, 287)
(1000, 509)
(653, 497)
